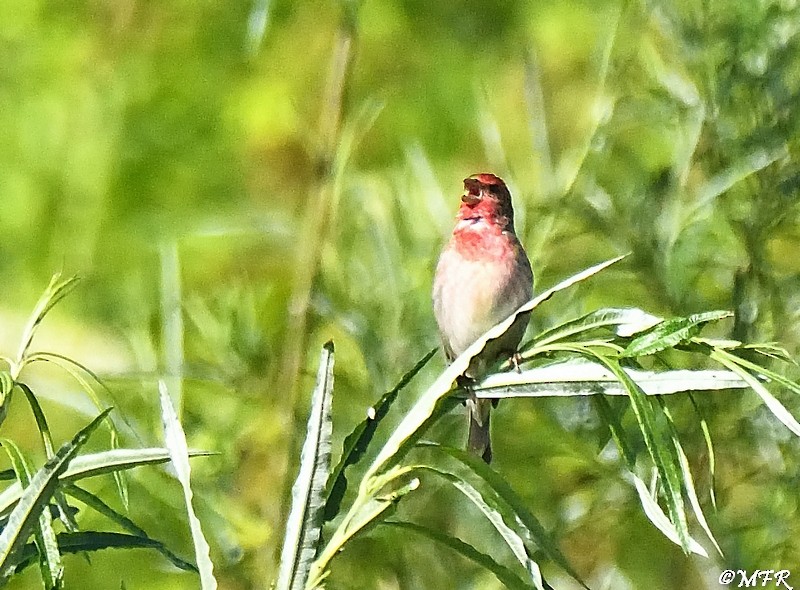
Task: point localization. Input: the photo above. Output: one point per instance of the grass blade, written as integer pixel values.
(175, 441)
(304, 524)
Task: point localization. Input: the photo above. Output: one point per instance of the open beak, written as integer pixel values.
(472, 191)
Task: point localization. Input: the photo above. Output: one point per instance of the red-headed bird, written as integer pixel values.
(482, 277)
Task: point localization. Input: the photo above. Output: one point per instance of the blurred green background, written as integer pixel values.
(286, 171)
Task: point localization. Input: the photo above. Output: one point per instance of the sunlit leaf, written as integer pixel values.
(36, 497)
(672, 332)
(304, 524)
(175, 441)
(355, 445)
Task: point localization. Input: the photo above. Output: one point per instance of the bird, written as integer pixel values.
(482, 276)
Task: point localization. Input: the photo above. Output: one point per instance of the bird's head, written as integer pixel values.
(486, 197)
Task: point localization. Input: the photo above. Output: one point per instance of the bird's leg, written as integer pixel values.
(465, 383)
(515, 360)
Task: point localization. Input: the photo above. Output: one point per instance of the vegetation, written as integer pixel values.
(240, 184)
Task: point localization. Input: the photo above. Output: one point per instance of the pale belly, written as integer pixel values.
(483, 294)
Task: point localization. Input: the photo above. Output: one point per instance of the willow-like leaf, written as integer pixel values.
(737, 364)
(355, 445)
(508, 578)
(658, 443)
(672, 332)
(175, 440)
(85, 541)
(576, 377)
(502, 501)
(97, 464)
(55, 292)
(625, 320)
(498, 519)
(50, 564)
(35, 499)
(688, 480)
(97, 504)
(304, 524)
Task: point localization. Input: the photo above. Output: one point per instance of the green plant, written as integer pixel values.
(38, 503)
(603, 353)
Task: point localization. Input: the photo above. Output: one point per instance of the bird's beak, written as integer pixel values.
(472, 191)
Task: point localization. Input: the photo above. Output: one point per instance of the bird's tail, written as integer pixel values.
(479, 441)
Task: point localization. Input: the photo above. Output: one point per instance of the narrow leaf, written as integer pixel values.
(734, 363)
(498, 519)
(627, 321)
(688, 481)
(486, 561)
(96, 464)
(50, 564)
(36, 497)
(55, 292)
(580, 377)
(97, 541)
(508, 503)
(656, 515)
(658, 444)
(672, 332)
(175, 440)
(126, 523)
(304, 525)
(355, 445)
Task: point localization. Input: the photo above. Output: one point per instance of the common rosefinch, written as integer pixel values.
(482, 277)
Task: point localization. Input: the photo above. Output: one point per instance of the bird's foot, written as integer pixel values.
(516, 359)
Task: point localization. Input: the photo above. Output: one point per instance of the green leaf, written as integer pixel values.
(627, 320)
(657, 516)
(658, 444)
(579, 377)
(738, 365)
(672, 332)
(688, 480)
(94, 464)
(355, 445)
(502, 506)
(55, 292)
(304, 524)
(126, 523)
(175, 441)
(97, 541)
(41, 420)
(50, 564)
(508, 578)
(76, 370)
(498, 519)
(36, 497)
